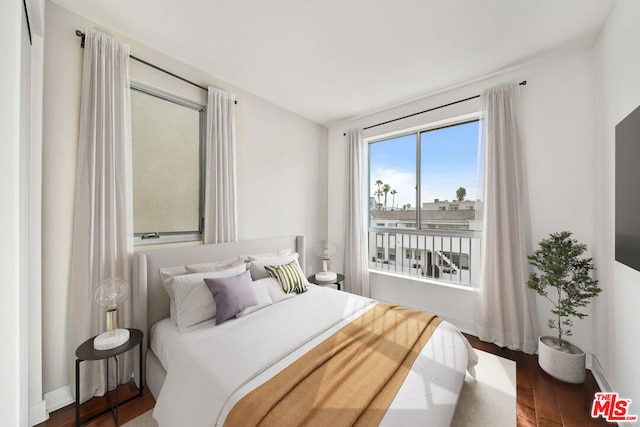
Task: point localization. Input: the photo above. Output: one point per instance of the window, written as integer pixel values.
(167, 163)
(424, 187)
(462, 260)
(392, 254)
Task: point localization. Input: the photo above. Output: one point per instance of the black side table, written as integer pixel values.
(87, 352)
(338, 280)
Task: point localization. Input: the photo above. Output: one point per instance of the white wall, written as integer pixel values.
(15, 106)
(557, 127)
(37, 409)
(279, 154)
(617, 336)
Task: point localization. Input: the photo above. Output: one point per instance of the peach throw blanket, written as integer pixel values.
(351, 378)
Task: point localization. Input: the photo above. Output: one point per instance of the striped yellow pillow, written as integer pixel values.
(289, 276)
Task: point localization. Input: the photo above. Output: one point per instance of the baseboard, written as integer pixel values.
(58, 398)
(38, 413)
(600, 375)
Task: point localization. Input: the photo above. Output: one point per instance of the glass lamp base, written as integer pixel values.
(111, 339)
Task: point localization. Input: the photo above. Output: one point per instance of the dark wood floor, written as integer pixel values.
(66, 417)
(541, 400)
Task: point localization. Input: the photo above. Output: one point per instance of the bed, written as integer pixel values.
(203, 374)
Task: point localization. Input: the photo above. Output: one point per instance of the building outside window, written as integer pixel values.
(424, 187)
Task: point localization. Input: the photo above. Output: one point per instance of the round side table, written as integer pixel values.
(86, 352)
(339, 279)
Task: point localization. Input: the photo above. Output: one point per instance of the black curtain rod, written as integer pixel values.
(26, 15)
(148, 64)
(522, 83)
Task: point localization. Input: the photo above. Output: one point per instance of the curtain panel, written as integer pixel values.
(103, 224)
(220, 217)
(506, 314)
(357, 238)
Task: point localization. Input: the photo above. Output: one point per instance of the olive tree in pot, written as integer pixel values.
(562, 276)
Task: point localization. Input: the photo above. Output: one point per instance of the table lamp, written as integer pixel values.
(325, 250)
(109, 294)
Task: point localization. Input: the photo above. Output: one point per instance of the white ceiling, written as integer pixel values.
(329, 60)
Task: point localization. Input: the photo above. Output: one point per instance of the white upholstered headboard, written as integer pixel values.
(150, 300)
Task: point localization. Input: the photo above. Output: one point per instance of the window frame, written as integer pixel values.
(417, 130)
(167, 237)
(418, 228)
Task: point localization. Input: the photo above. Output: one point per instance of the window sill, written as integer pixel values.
(168, 239)
(469, 288)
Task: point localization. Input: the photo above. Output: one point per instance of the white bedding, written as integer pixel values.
(211, 368)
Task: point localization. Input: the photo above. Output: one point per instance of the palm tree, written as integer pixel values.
(378, 192)
(385, 189)
(393, 200)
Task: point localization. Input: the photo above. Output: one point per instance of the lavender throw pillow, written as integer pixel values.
(232, 295)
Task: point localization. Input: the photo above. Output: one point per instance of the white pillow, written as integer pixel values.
(275, 254)
(273, 288)
(193, 301)
(263, 297)
(256, 266)
(204, 268)
(168, 272)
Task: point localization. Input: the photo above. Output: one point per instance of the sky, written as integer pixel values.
(449, 161)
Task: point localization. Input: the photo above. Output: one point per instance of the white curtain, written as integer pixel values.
(505, 316)
(356, 238)
(220, 220)
(102, 229)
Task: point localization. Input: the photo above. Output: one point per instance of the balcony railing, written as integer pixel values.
(450, 256)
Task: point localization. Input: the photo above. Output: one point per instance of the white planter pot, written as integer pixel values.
(566, 363)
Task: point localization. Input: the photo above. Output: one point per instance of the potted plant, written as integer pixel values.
(563, 277)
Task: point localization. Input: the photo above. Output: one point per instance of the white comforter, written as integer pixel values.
(211, 368)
